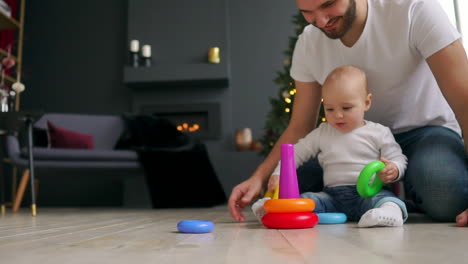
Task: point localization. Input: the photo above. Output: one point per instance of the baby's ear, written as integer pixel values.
(368, 101)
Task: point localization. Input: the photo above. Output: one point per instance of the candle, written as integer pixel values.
(146, 54)
(134, 56)
(134, 45)
(146, 51)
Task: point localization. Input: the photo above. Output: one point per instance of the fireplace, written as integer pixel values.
(203, 121)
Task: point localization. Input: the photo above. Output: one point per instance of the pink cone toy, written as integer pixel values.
(289, 188)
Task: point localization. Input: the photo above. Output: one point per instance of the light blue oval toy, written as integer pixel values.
(195, 226)
(331, 218)
(362, 185)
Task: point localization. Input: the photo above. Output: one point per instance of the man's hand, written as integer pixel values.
(242, 195)
(272, 183)
(390, 172)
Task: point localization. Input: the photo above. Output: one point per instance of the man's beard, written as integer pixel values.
(348, 20)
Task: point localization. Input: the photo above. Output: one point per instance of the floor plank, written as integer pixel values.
(74, 235)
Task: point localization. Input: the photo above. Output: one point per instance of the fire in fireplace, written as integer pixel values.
(200, 120)
(185, 127)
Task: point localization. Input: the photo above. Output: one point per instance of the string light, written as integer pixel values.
(288, 100)
(324, 119)
(287, 110)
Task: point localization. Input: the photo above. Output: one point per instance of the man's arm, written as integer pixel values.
(303, 120)
(450, 68)
(304, 116)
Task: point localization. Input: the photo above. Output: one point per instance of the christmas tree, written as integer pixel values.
(278, 117)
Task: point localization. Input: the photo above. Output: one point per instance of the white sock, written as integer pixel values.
(257, 208)
(388, 214)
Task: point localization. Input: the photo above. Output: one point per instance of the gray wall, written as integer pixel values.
(73, 56)
(74, 52)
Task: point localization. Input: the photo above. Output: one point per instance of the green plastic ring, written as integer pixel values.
(362, 185)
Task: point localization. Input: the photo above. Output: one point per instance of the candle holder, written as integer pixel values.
(213, 55)
(243, 139)
(146, 55)
(134, 53)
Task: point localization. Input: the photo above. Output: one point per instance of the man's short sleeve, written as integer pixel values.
(300, 68)
(431, 29)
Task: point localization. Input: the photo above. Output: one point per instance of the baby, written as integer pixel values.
(344, 145)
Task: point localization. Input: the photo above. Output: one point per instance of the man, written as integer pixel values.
(417, 70)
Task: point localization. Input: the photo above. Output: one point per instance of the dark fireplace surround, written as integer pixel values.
(203, 118)
(187, 71)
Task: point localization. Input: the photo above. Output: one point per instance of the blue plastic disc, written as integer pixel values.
(195, 226)
(331, 218)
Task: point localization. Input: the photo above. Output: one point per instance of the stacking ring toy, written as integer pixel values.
(331, 218)
(195, 226)
(272, 195)
(362, 185)
(290, 220)
(289, 205)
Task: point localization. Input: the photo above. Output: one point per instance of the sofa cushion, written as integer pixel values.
(64, 138)
(81, 154)
(105, 129)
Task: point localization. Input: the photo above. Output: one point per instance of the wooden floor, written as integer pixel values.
(150, 236)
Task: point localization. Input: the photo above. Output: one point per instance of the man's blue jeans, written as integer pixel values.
(436, 178)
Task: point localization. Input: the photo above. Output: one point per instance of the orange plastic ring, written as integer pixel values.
(289, 205)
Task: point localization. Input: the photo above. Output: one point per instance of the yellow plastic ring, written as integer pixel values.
(273, 195)
(289, 205)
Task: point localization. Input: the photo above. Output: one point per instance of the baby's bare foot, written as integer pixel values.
(462, 218)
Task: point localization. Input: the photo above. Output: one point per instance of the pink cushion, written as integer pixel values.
(64, 138)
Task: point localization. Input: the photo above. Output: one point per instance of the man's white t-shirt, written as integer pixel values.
(397, 38)
(342, 156)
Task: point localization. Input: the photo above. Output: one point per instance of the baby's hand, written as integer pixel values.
(390, 172)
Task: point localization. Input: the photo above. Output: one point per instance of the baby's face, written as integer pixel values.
(345, 101)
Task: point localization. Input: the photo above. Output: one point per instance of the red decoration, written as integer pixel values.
(8, 62)
(7, 36)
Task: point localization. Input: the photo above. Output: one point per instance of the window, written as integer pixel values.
(462, 7)
(458, 9)
(449, 8)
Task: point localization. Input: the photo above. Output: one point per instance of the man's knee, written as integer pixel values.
(440, 141)
(437, 175)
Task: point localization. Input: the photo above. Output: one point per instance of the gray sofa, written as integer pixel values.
(106, 130)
